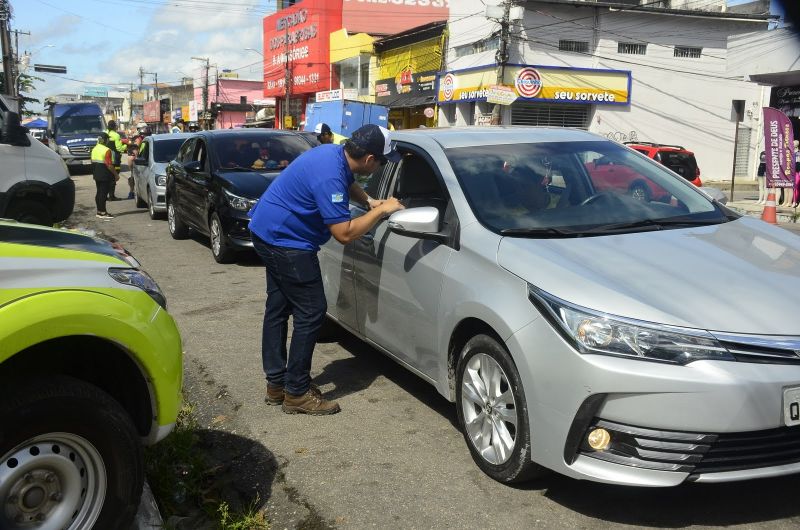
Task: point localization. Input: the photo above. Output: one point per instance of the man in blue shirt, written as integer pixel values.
(299, 212)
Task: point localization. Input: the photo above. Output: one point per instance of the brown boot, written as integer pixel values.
(309, 403)
(275, 393)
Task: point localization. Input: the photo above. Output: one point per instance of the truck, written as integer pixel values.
(35, 186)
(72, 129)
(345, 116)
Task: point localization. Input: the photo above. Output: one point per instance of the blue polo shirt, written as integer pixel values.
(309, 195)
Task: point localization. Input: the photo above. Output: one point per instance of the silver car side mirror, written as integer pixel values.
(422, 220)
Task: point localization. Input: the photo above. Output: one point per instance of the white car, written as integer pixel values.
(150, 171)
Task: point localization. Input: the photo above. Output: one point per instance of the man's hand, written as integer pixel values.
(388, 206)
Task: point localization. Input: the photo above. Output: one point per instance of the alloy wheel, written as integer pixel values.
(171, 217)
(490, 411)
(56, 480)
(216, 236)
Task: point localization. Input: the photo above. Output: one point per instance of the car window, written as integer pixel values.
(200, 153)
(371, 184)
(260, 150)
(185, 153)
(571, 184)
(166, 150)
(416, 183)
(683, 164)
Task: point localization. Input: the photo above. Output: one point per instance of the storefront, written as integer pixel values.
(542, 95)
(787, 100)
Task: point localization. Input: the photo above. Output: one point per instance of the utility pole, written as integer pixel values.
(17, 73)
(5, 40)
(141, 78)
(205, 88)
(287, 80)
(501, 57)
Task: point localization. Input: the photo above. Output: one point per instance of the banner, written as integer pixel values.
(779, 147)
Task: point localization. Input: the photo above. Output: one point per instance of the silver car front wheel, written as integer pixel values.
(492, 411)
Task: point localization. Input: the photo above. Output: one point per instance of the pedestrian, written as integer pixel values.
(176, 126)
(117, 149)
(324, 133)
(104, 174)
(300, 211)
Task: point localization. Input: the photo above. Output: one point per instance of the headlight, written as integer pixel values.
(239, 203)
(594, 332)
(161, 180)
(63, 150)
(141, 280)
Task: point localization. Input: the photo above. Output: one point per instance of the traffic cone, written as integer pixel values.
(769, 213)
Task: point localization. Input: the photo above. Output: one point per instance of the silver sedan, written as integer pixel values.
(150, 170)
(576, 328)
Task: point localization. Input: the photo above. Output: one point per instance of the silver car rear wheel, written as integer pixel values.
(489, 408)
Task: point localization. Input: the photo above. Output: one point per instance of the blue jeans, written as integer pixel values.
(294, 287)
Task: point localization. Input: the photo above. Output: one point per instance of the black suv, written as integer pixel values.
(218, 176)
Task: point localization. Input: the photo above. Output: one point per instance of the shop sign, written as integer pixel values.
(428, 112)
(185, 113)
(391, 16)
(406, 84)
(192, 110)
(152, 111)
(539, 83)
(298, 38)
(786, 99)
(502, 95)
(483, 120)
(779, 142)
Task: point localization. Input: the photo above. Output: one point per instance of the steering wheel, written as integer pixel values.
(594, 198)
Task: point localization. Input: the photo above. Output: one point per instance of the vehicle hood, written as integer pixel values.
(159, 168)
(741, 276)
(77, 139)
(249, 184)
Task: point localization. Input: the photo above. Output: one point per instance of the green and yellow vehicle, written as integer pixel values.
(90, 370)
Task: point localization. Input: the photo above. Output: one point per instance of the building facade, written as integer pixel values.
(655, 74)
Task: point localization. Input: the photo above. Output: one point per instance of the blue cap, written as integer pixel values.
(377, 141)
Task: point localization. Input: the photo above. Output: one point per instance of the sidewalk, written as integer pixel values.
(746, 203)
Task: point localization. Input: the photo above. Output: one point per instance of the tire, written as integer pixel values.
(30, 211)
(639, 192)
(483, 360)
(177, 228)
(74, 452)
(151, 204)
(140, 203)
(220, 248)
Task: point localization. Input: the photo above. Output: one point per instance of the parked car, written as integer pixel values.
(150, 171)
(35, 186)
(559, 318)
(218, 176)
(675, 157)
(90, 368)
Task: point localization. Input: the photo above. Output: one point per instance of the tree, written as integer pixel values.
(25, 87)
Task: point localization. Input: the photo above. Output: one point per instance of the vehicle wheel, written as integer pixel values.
(493, 413)
(28, 211)
(222, 251)
(639, 192)
(73, 458)
(140, 203)
(177, 229)
(151, 207)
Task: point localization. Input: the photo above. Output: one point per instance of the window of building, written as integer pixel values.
(483, 45)
(243, 100)
(577, 46)
(688, 52)
(631, 48)
(363, 82)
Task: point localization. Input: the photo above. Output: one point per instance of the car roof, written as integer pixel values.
(224, 133)
(451, 137)
(168, 136)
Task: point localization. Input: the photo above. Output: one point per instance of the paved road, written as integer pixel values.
(393, 458)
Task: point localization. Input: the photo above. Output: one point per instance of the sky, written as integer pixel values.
(104, 42)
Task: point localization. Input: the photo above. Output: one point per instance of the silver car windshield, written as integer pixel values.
(166, 150)
(576, 188)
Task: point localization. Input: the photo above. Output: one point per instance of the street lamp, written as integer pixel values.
(254, 50)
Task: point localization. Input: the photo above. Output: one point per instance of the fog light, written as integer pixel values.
(599, 439)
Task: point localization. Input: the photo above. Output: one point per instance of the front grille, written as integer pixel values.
(79, 150)
(761, 349)
(696, 453)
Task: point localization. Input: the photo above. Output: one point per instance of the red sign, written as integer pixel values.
(152, 111)
(779, 142)
(391, 16)
(299, 37)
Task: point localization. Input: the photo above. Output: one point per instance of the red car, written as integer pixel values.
(675, 157)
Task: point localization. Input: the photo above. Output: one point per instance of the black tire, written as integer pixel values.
(517, 465)
(177, 228)
(140, 203)
(220, 248)
(67, 436)
(639, 191)
(30, 211)
(154, 215)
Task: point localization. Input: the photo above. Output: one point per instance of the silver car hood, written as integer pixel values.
(742, 276)
(159, 168)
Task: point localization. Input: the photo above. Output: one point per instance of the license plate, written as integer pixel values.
(86, 162)
(791, 406)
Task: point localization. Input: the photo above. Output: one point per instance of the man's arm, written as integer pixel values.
(350, 230)
(110, 165)
(361, 196)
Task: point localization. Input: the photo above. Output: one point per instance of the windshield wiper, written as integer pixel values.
(655, 224)
(537, 232)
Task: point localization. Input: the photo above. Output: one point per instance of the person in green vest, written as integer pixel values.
(104, 173)
(117, 149)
